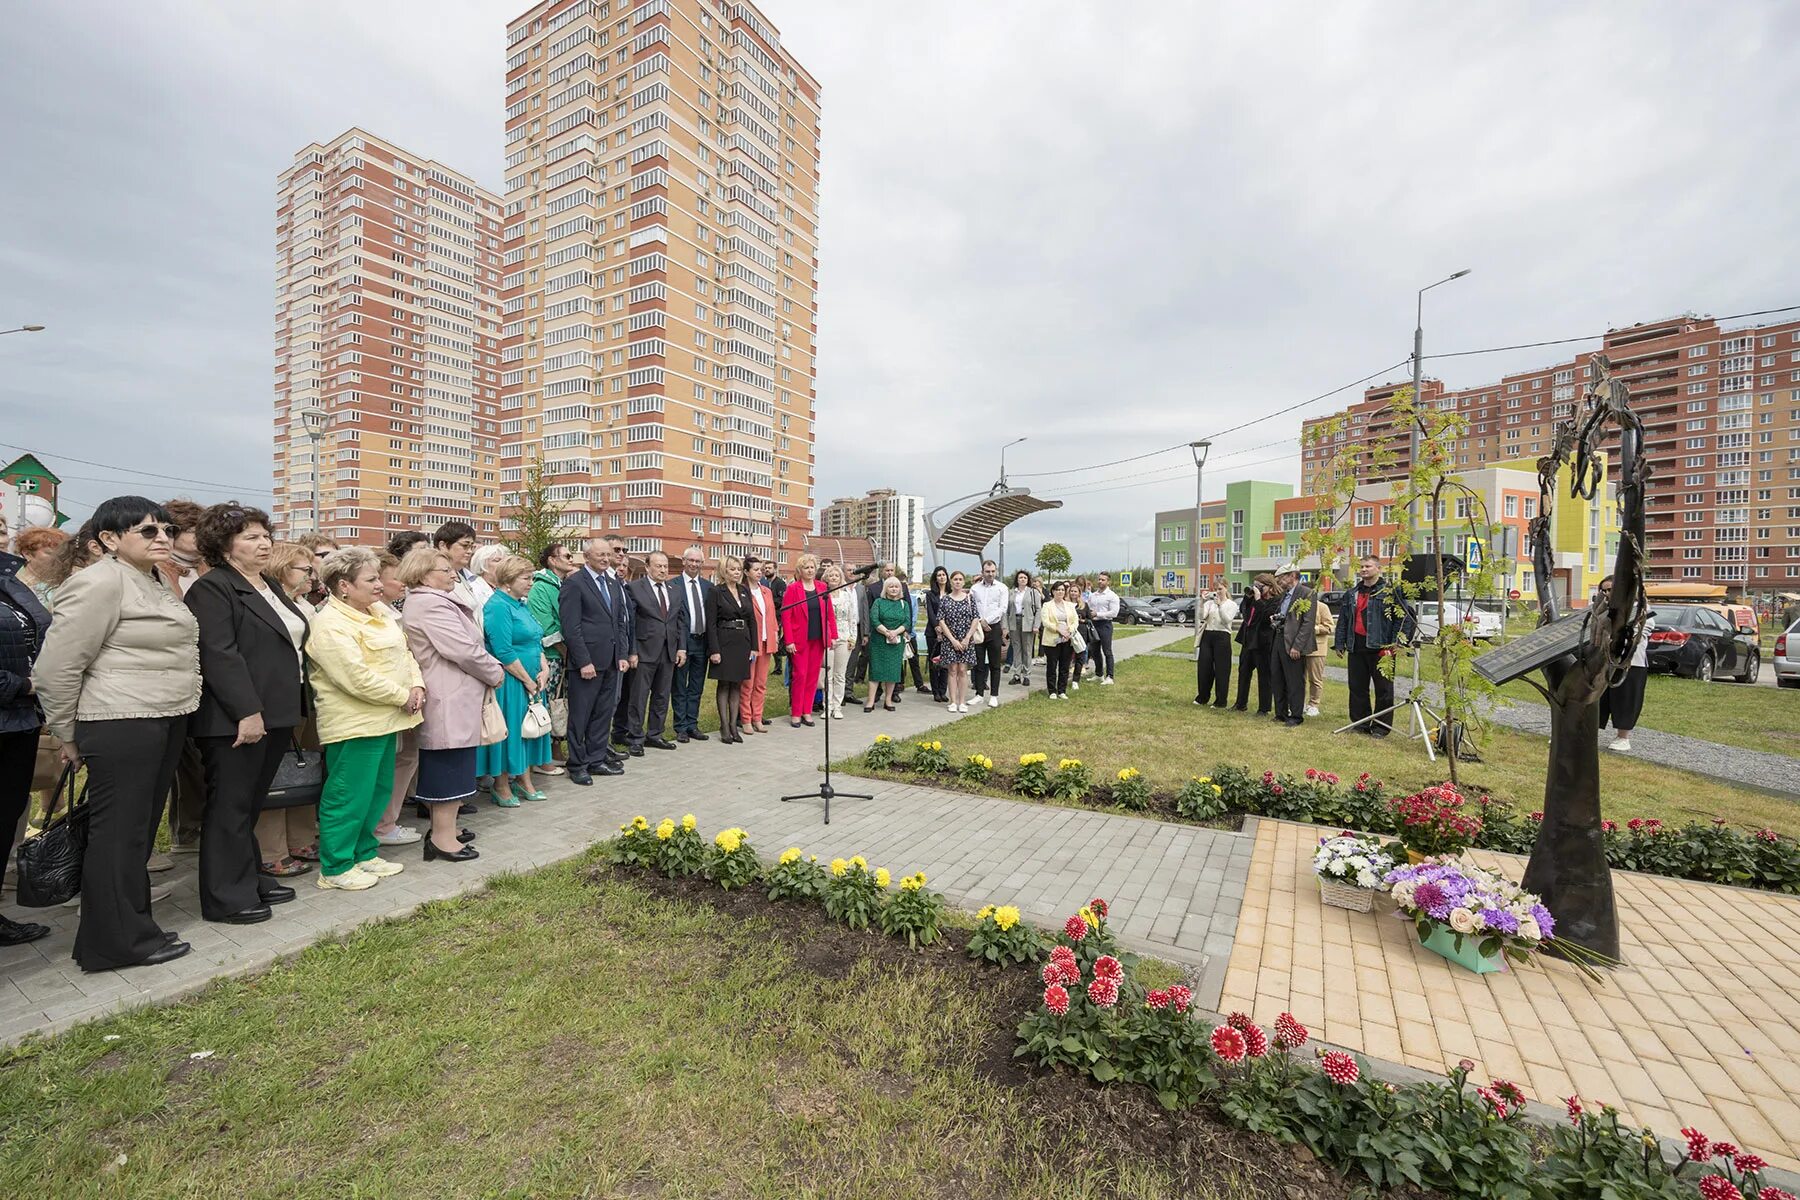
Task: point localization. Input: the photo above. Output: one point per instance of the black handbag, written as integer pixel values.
(50, 861)
(299, 779)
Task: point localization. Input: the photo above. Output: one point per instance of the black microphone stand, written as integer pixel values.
(826, 792)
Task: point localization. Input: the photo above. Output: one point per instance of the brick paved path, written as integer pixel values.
(1176, 887)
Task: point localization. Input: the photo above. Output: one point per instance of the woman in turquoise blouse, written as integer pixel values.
(517, 640)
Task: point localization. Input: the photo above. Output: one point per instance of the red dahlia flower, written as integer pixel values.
(1774, 1193)
(1699, 1146)
(1156, 999)
(1573, 1103)
(1312, 772)
(1056, 999)
(1724, 1150)
(1180, 997)
(1515, 1095)
(1107, 967)
(1256, 1042)
(1290, 1034)
(1717, 1187)
(1098, 904)
(1746, 1163)
(1070, 972)
(1228, 1044)
(1340, 1068)
(1239, 1021)
(1104, 992)
(1052, 973)
(1075, 928)
(1059, 952)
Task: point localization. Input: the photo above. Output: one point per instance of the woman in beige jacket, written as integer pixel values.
(118, 677)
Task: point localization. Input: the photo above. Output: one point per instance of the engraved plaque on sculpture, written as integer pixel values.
(1543, 645)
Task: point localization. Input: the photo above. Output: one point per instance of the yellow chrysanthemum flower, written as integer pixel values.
(987, 910)
(790, 855)
(1217, 790)
(858, 861)
(1203, 779)
(729, 840)
(1068, 764)
(937, 745)
(1087, 914)
(913, 883)
(838, 867)
(882, 878)
(1006, 916)
(665, 830)
(1026, 760)
(688, 823)
(1128, 774)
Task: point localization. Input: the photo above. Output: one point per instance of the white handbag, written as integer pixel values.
(537, 722)
(1079, 642)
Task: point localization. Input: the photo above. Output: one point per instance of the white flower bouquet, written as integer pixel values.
(1351, 869)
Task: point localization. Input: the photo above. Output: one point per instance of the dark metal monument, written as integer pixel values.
(1581, 655)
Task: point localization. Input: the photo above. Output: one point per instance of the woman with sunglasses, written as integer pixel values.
(119, 677)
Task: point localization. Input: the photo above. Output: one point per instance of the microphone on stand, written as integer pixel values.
(865, 572)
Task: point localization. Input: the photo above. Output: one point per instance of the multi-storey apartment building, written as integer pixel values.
(894, 525)
(1230, 530)
(1721, 410)
(387, 343)
(660, 267)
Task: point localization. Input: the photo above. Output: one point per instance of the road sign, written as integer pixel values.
(1124, 578)
(1473, 554)
(1514, 594)
(1171, 580)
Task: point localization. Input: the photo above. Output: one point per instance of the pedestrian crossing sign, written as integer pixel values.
(1473, 554)
(1124, 578)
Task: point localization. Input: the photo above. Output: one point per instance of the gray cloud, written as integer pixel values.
(1107, 229)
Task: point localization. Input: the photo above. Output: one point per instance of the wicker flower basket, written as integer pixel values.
(1342, 895)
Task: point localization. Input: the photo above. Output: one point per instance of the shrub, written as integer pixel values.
(731, 863)
(1435, 821)
(1087, 936)
(1200, 799)
(635, 846)
(1775, 862)
(1131, 791)
(913, 912)
(1282, 799)
(1593, 1155)
(794, 877)
(1001, 937)
(929, 758)
(1239, 788)
(854, 894)
(975, 769)
(1072, 780)
(679, 849)
(1033, 777)
(883, 754)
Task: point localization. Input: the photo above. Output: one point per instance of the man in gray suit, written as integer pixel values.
(1296, 636)
(661, 644)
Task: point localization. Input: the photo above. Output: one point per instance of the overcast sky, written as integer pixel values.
(1107, 228)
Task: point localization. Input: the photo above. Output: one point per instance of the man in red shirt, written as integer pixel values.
(1371, 618)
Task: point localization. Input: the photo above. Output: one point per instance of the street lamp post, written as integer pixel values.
(23, 329)
(1199, 450)
(1003, 451)
(312, 420)
(1418, 357)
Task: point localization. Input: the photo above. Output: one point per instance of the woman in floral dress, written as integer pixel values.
(956, 645)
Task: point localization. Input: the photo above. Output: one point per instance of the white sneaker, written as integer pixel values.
(380, 867)
(1075, 686)
(1622, 745)
(1312, 710)
(353, 880)
(962, 708)
(1107, 681)
(993, 702)
(399, 835)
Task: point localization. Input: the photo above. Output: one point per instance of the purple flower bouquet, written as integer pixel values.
(1459, 903)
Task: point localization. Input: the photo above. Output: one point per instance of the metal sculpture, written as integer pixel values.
(1568, 866)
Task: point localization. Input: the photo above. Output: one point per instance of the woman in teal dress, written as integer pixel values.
(517, 640)
(889, 633)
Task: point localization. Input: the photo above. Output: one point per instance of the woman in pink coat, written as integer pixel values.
(807, 627)
(458, 671)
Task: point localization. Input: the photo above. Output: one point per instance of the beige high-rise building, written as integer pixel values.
(387, 327)
(661, 260)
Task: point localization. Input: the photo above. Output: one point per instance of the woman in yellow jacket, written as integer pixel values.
(366, 688)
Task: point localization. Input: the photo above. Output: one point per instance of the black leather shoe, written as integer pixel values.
(697, 736)
(659, 743)
(275, 894)
(247, 916)
(682, 738)
(17, 933)
(433, 854)
(579, 776)
(636, 752)
(169, 953)
(465, 835)
(609, 768)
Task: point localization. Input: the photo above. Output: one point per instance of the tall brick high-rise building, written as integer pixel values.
(1721, 412)
(387, 327)
(660, 266)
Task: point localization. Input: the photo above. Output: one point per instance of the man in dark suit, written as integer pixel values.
(593, 610)
(619, 571)
(690, 677)
(660, 646)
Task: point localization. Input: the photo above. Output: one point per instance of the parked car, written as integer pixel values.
(1697, 641)
(1787, 657)
(1481, 624)
(1179, 612)
(1133, 611)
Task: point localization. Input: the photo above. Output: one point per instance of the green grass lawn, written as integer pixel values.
(1755, 718)
(1148, 721)
(570, 1034)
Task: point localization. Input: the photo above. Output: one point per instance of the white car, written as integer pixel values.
(1787, 657)
(1481, 624)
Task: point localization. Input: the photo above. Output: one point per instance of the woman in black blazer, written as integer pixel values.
(252, 699)
(731, 641)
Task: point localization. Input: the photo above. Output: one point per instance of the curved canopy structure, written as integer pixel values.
(971, 528)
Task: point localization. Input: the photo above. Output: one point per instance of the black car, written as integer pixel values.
(1133, 611)
(1179, 612)
(1695, 641)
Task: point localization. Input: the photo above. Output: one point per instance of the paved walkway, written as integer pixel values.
(1700, 1027)
(1176, 887)
(1729, 764)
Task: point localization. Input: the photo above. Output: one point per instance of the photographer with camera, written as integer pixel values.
(1212, 645)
